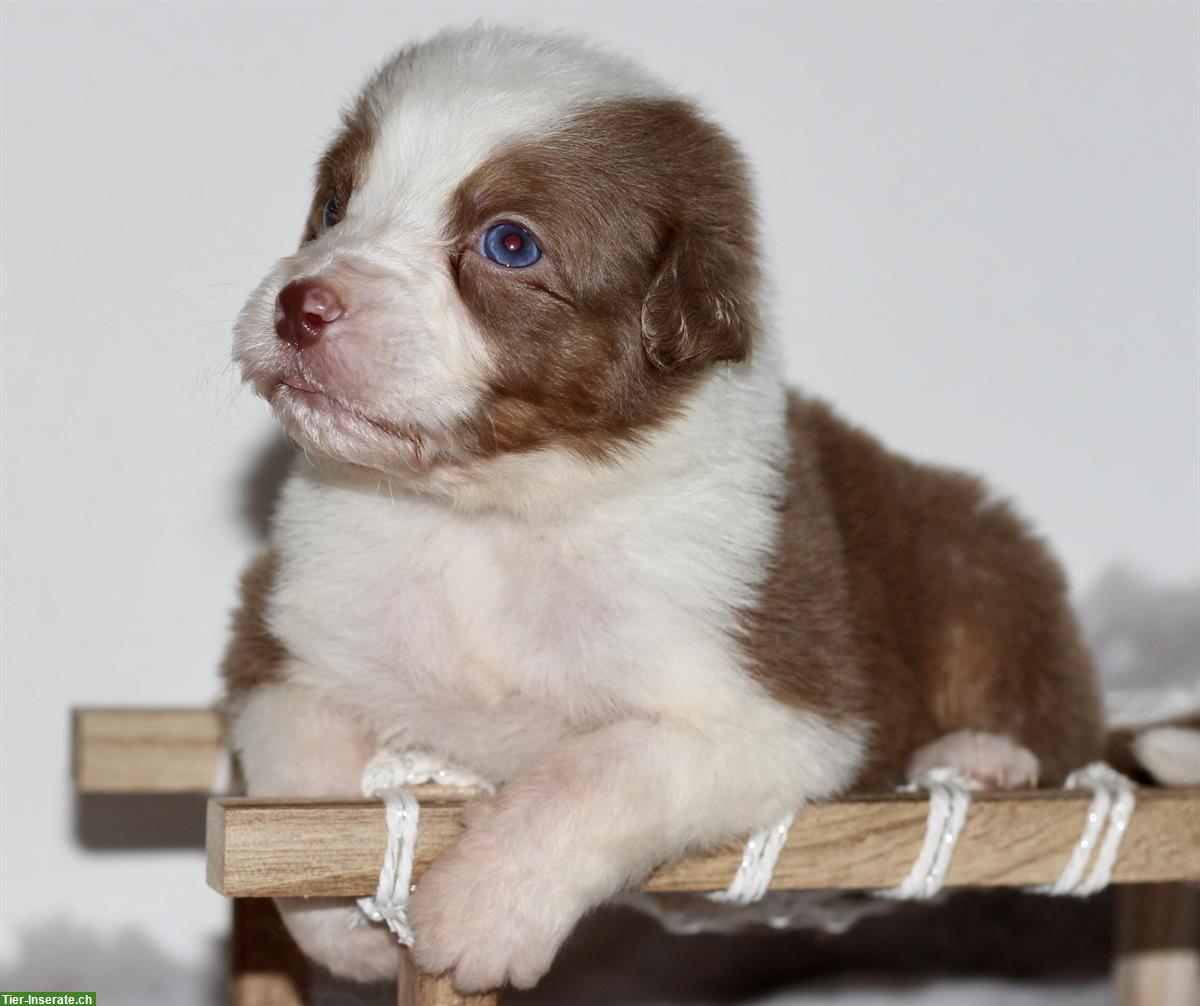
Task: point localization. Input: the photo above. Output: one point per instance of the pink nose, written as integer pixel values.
(303, 309)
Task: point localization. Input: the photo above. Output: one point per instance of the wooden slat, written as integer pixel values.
(147, 750)
(1157, 946)
(262, 848)
(439, 990)
(266, 967)
(415, 988)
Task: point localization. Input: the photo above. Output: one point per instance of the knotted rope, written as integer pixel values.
(386, 778)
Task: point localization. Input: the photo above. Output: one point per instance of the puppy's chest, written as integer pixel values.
(410, 608)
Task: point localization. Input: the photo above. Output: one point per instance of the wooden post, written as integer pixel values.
(1158, 945)
(416, 989)
(268, 969)
(407, 979)
(437, 990)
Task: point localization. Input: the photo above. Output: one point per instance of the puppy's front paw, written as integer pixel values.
(476, 914)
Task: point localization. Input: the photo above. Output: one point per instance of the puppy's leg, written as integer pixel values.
(595, 816)
(290, 742)
(990, 760)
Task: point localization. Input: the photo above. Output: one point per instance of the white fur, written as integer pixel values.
(564, 628)
(1170, 754)
(584, 659)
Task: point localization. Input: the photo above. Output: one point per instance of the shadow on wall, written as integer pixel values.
(123, 968)
(1143, 634)
(140, 820)
(261, 484)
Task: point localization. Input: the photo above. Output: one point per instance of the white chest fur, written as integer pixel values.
(482, 632)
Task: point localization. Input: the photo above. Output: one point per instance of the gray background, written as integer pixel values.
(981, 221)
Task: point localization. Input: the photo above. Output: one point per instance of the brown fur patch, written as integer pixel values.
(254, 656)
(645, 219)
(341, 166)
(900, 591)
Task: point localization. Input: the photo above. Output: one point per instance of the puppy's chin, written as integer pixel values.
(330, 428)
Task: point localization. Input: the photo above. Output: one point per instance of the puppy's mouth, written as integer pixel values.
(330, 424)
(297, 382)
(296, 393)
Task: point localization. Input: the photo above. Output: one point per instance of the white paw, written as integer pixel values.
(1170, 754)
(479, 915)
(990, 760)
(335, 934)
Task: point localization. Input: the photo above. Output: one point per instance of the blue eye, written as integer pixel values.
(511, 246)
(332, 213)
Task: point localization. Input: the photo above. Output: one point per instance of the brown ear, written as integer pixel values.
(701, 304)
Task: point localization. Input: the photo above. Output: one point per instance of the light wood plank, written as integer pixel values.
(335, 847)
(147, 750)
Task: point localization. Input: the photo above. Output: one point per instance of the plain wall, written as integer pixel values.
(982, 222)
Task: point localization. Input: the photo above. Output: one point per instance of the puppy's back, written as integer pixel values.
(936, 608)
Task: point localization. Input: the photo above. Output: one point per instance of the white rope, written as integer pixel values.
(1113, 802)
(385, 778)
(1112, 806)
(949, 802)
(1096, 819)
(757, 867)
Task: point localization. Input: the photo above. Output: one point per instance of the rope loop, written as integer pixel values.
(757, 867)
(1113, 802)
(386, 778)
(949, 803)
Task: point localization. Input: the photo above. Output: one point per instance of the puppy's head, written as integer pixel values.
(516, 243)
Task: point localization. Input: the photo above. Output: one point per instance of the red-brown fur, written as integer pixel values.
(904, 592)
(653, 275)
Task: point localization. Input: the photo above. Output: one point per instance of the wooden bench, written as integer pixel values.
(258, 849)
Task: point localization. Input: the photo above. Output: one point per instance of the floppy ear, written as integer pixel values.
(700, 307)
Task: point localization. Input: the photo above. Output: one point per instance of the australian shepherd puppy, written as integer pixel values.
(559, 521)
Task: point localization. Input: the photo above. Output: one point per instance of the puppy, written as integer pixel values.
(559, 521)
